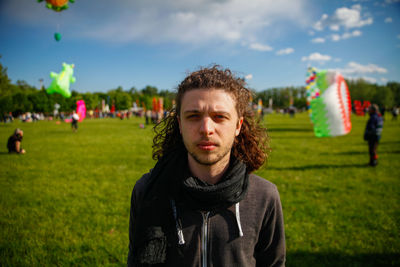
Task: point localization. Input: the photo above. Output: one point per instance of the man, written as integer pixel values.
(14, 142)
(74, 122)
(373, 133)
(200, 205)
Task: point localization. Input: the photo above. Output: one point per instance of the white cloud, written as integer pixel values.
(344, 17)
(285, 51)
(384, 80)
(260, 47)
(356, 33)
(388, 20)
(334, 27)
(335, 37)
(398, 36)
(346, 35)
(316, 57)
(356, 68)
(176, 21)
(318, 40)
(248, 76)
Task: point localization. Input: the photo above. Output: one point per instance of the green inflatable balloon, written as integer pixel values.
(61, 81)
(57, 36)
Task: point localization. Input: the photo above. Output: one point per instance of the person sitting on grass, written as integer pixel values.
(14, 142)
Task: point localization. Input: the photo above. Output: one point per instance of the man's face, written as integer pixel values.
(209, 123)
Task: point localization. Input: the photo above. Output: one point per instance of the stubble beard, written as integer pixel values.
(213, 160)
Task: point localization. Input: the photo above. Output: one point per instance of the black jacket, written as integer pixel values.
(250, 233)
(373, 129)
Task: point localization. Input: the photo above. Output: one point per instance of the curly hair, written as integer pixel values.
(251, 146)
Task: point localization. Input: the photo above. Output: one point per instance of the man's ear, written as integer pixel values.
(239, 126)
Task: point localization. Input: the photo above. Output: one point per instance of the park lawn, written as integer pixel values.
(66, 202)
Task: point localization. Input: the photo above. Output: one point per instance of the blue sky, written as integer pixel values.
(134, 43)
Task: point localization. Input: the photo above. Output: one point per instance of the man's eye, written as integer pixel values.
(220, 117)
(193, 116)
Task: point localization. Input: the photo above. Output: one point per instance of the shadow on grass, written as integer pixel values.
(389, 143)
(389, 152)
(291, 137)
(339, 259)
(288, 130)
(317, 166)
(352, 153)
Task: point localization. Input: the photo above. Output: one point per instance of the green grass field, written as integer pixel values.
(66, 202)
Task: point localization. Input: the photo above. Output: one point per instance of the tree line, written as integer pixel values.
(21, 97)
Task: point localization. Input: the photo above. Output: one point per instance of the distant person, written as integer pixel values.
(148, 116)
(292, 111)
(395, 113)
(262, 114)
(14, 142)
(383, 110)
(74, 123)
(373, 132)
(201, 205)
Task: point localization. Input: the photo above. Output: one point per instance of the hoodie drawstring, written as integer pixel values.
(178, 224)
(238, 219)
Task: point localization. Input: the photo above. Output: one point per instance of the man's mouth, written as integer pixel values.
(207, 145)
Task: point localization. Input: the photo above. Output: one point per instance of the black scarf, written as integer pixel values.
(230, 190)
(155, 233)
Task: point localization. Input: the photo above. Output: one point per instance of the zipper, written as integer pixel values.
(204, 239)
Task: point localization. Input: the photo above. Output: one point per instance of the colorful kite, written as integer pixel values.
(259, 106)
(328, 101)
(57, 36)
(57, 5)
(80, 110)
(61, 82)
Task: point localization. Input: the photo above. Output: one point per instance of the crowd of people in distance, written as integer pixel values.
(372, 133)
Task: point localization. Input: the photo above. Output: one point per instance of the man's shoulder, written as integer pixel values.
(261, 188)
(142, 183)
(261, 183)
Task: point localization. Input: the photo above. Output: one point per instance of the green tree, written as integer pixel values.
(40, 101)
(6, 104)
(168, 98)
(91, 100)
(395, 88)
(5, 82)
(383, 97)
(21, 103)
(150, 90)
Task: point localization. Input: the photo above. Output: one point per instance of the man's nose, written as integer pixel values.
(207, 126)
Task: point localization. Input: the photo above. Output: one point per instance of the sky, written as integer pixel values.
(135, 43)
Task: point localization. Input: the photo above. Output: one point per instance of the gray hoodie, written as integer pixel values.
(249, 233)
